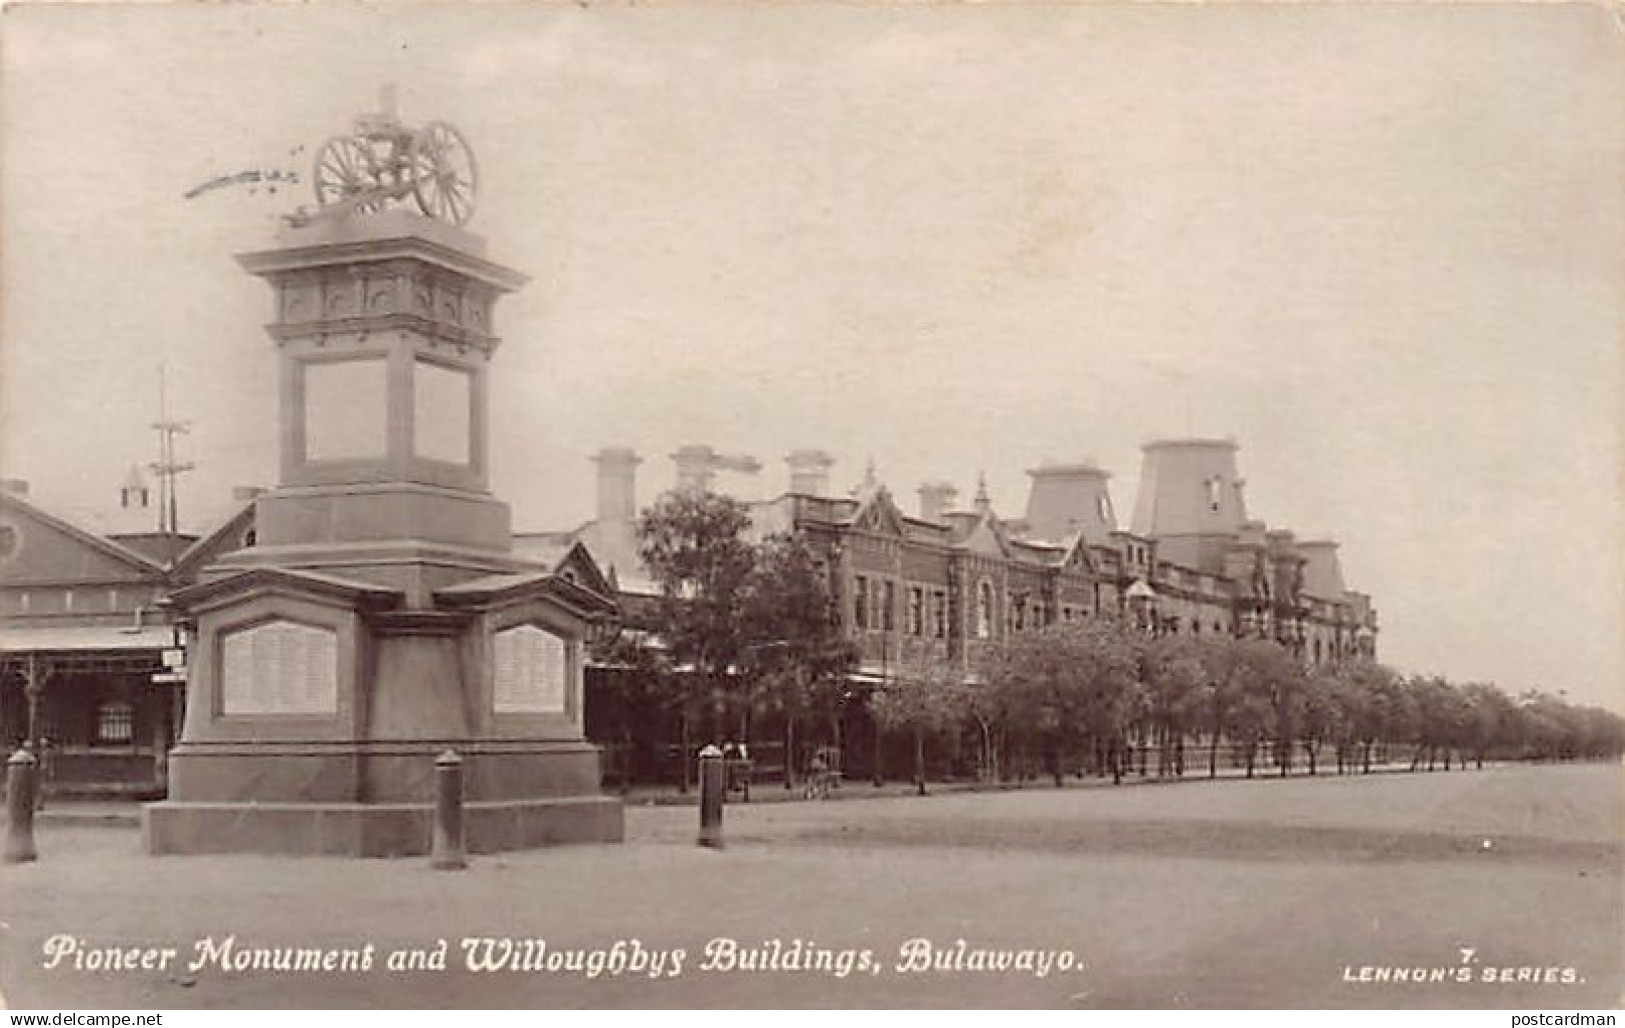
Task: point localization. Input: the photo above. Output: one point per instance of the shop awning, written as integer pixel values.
(83, 638)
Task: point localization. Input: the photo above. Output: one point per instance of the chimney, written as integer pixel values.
(14, 486)
(695, 469)
(936, 499)
(617, 483)
(809, 472)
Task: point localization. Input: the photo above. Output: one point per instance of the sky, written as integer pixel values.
(1380, 246)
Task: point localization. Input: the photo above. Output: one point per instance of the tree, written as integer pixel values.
(1173, 674)
(1491, 717)
(1323, 718)
(928, 699)
(1068, 680)
(1388, 709)
(1241, 705)
(795, 655)
(692, 543)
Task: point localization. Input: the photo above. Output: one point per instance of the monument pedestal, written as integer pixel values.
(381, 618)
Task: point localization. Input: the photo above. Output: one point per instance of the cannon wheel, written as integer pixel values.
(444, 175)
(345, 168)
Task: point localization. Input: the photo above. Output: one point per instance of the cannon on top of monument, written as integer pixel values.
(384, 161)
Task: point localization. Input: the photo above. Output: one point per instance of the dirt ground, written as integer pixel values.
(1497, 888)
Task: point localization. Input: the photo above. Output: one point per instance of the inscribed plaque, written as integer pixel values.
(279, 668)
(529, 669)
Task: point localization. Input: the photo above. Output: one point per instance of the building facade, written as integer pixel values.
(91, 664)
(943, 581)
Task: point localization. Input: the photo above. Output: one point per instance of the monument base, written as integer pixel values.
(373, 829)
(376, 799)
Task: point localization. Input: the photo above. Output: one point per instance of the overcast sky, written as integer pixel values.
(1381, 246)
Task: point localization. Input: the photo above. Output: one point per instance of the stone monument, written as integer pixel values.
(380, 616)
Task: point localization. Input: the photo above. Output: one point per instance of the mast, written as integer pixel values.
(168, 469)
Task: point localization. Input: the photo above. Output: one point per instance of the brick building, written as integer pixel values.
(947, 579)
(944, 580)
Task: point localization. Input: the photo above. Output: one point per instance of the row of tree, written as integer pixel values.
(748, 629)
(1099, 694)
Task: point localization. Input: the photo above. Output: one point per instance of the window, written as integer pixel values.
(939, 614)
(916, 611)
(888, 604)
(115, 722)
(1038, 615)
(984, 610)
(1066, 613)
(1103, 507)
(860, 602)
(1018, 614)
(1213, 494)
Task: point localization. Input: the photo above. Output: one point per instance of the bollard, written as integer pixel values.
(448, 852)
(21, 782)
(712, 785)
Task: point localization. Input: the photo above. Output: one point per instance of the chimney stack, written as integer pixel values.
(809, 472)
(936, 499)
(694, 468)
(617, 483)
(697, 466)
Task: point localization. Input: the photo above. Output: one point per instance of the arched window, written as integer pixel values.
(984, 610)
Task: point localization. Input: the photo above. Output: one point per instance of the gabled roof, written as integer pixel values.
(505, 588)
(107, 547)
(578, 566)
(195, 556)
(985, 535)
(313, 583)
(878, 513)
(1078, 553)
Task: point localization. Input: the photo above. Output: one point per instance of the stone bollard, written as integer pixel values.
(448, 852)
(21, 782)
(713, 784)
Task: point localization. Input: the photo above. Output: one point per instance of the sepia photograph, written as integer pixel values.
(717, 506)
